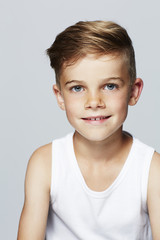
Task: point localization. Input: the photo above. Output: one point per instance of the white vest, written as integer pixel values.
(118, 213)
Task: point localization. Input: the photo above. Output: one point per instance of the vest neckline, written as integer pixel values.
(116, 182)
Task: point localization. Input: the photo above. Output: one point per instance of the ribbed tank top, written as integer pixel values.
(118, 213)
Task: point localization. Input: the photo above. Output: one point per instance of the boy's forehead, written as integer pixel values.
(73, 62)
(102, 66)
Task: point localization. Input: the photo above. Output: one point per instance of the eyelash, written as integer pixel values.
(78, 86)
(114, 87)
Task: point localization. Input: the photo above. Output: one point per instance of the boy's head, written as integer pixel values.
(91, 37)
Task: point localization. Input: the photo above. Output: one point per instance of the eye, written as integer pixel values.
(110, 86)
(77, 89)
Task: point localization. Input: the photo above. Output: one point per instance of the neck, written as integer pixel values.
(105, 150)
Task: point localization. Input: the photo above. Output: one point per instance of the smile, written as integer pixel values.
(96, 120)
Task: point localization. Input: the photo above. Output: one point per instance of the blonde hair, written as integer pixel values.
(91, 37)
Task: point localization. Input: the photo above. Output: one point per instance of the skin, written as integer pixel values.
(37, 188)
(95, 93)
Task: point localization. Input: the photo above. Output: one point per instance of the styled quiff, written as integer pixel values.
(91, 37)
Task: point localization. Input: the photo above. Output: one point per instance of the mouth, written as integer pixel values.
(96, 119)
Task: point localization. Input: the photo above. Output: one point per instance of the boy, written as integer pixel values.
(98, 182)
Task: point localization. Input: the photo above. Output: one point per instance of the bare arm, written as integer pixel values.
(154, 196)
(37, 188)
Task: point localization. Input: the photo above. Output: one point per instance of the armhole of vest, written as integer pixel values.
(145, 177)
(53, 188)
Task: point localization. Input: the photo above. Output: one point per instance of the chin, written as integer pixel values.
(93, 137)
(99, 135)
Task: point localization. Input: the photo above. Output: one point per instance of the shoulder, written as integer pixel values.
(39, 165)
(153, 198)
(156, 158)
(42, 156)
(155, 166)
(154, 176)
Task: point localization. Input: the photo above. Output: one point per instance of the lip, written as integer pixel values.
(96, 120)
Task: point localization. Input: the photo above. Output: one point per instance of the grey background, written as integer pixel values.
(29, 116)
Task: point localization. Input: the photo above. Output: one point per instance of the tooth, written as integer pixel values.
(93, 119)
(98, 119)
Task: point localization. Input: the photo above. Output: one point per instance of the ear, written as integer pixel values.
(135, 91)
(59, 96)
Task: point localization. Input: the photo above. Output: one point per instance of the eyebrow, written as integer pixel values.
(74, 81)
(113, 78)
(104, 79)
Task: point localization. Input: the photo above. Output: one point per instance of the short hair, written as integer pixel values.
(91, 37)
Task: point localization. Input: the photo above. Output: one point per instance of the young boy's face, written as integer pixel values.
(95, 93)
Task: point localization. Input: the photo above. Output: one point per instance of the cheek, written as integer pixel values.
(72, 107)
(72, 103)
(120, 104)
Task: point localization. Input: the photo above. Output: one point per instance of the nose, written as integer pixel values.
(94, 101)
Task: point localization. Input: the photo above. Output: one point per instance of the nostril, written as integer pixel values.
(95, 103)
